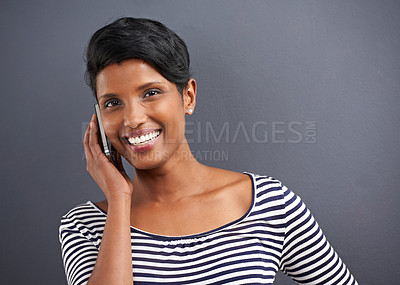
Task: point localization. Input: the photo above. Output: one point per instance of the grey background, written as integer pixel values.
(271, 67)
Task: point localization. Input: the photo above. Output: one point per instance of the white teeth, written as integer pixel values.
(144, 138)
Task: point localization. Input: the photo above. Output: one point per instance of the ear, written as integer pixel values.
(189, 96)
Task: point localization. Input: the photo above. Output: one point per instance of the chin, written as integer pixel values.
(147, 161)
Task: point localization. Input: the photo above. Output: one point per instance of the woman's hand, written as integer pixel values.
(114, 260)
(112, 179)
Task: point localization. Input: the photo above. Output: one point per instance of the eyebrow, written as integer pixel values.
(107, 96)
(147, 85)
(140, 88)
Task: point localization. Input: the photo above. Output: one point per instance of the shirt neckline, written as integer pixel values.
(197, 235)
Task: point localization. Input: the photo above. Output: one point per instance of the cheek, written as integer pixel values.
(171, 116)
(111, 125)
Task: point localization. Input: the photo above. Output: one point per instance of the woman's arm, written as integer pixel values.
(307, 257)
(114, 260)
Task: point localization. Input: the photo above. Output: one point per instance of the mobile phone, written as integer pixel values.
(105, 145)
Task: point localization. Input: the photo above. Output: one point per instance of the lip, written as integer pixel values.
(144, 147)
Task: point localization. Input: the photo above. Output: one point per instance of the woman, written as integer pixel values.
(177, 221)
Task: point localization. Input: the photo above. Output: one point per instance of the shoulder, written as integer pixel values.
(270, 193)
(246, 180)
(266, 183)
(246, 189)
(80, 211)
(83, 221)
(83, 215)
(231, 183)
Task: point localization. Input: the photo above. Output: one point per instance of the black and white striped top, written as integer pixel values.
(277, 233)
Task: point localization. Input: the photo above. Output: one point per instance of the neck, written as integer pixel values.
(174, 180)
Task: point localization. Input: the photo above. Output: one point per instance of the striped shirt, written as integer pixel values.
(277, 233)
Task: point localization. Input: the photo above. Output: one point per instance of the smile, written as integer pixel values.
(143, 139)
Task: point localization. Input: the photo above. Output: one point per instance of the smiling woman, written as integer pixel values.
(178, 221)
(144, 118)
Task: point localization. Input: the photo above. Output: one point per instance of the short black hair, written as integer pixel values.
(138, 38)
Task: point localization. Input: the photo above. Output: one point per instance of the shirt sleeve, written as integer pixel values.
(307, 256)
(79, 252)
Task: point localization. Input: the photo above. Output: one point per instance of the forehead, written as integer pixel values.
(128, 74)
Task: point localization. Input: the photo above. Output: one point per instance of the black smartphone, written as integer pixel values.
(105, 145)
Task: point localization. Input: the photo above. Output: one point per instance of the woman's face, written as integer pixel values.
(143, 113)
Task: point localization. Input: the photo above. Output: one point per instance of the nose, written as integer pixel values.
(134, 115)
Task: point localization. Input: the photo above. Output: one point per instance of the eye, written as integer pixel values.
(150, 93)
(111, 103)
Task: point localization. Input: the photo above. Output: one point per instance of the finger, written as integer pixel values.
(86, 141)
(94, 139)
(94, 143)
(86, 136)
